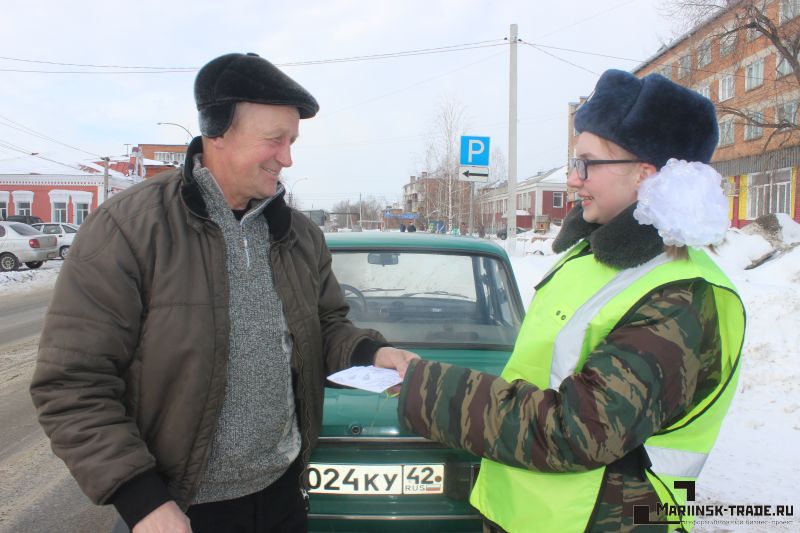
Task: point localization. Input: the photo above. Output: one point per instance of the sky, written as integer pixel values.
(376, 116)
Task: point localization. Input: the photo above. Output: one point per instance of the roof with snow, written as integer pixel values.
(554, 176)
(41, 165)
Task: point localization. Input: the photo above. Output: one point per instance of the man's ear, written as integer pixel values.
(217, 143)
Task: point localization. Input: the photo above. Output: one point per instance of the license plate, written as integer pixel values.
(376, 479)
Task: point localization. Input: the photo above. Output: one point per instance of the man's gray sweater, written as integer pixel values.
(257, 436)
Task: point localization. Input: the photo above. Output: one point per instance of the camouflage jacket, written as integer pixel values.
(650, 370)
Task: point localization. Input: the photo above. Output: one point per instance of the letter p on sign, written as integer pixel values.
(475, 151)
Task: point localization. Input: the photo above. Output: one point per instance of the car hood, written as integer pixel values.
(352, 413)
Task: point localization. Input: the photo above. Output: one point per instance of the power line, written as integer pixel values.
(30, 131)
(172, 70)
(43, 62)
(423, 51)
(590, 17)
(559, 58)
(13, 148)
(640, 61)
(403, 89)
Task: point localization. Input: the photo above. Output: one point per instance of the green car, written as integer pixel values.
(451, 299)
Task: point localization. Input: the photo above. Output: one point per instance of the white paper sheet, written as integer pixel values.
(369, 378)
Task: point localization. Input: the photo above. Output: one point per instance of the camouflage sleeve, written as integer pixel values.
(653, 367)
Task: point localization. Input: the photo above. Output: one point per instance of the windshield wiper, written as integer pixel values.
(378, 289)
(436, 293)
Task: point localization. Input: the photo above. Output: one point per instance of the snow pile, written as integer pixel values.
(739, 250)
(790, 230)
(25, 279)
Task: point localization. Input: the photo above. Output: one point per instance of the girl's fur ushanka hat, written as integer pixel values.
(233, 78)
(653, 118)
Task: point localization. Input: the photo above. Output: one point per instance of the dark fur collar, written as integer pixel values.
(277, 213)
(621, 243)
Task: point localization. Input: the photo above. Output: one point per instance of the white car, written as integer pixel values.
(64, 232)
(21, 243)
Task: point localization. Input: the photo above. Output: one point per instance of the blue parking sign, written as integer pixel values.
(475, 151)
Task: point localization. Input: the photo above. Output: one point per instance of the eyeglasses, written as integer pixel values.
(582, 165)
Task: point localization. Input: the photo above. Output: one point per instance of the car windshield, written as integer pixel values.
(24, 229)
(430, 299)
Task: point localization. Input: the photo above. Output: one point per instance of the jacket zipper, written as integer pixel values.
(305, 445)
(244, 241)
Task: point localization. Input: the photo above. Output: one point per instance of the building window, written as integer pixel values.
(704, 53)
(789, 9)
(59, 212)
(81, 212)
(684, 66)
(753, 128)
(783, 68)
(727, 44)
(666, 71)
(754, 75)
(705, 90)
(726, 87)
(558, 199)
(725, 132)
(23, 200)
(23, 208)
(81, 201)
(769, 192)
(786, 113)
(177, 158)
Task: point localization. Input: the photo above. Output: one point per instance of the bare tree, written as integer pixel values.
(449, 197)
(498, 166)
(746, 19)
(347, 213)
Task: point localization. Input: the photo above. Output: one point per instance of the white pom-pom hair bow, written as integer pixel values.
(686, 204)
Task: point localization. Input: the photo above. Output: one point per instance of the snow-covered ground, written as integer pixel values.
(26, 279)
(755, 459)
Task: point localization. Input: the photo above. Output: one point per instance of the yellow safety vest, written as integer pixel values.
(571, 314)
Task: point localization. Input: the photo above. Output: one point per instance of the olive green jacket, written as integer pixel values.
(131, 370)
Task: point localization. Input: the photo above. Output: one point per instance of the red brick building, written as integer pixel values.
(542, 195)
(435, 200)
(55, 193)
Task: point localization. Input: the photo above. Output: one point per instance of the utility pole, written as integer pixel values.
(471, 207)
(449, 197)
(511, 212)
(360, 209)
(105, 178)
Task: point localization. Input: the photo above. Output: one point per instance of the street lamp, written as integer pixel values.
(189, 133)
(291, 191)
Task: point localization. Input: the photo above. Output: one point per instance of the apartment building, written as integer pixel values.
(730, 58)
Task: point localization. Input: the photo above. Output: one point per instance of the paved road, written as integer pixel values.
(22, 315)
(37, 493)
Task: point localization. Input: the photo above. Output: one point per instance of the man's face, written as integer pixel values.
(254, 150)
